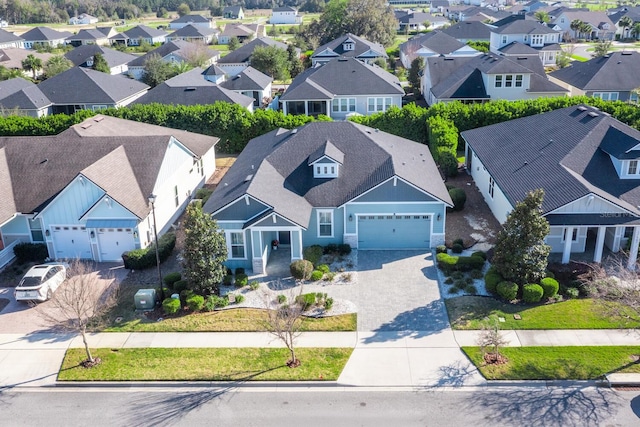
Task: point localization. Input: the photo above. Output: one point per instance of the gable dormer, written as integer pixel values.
(348, 44)
(326, 161)
(624, 152)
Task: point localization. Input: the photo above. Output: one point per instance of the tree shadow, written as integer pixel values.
(557, 406)
(455, 374)
(168, 408)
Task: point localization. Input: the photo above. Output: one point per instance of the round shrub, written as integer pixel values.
(171, 278)
(331, 248)
(572, 293)
(301, 269)
(239, 270)
(239, 299)
(254, 285)
(448, 163)
(328, 303)
(227, 280)
(532, 293)
(491, 280)
(282, 299)
(549, 274)
(453, 290)
(458, 241)
(476, 274)
(441, 249)
(481, 254)
(459, 198)
(456, 248)
(471, 290)
(324, 268)
(241, 280)
(457, 275)
(550, 287)
(195, 302)
(344, 249)
(447, 263)
(171, 306)
(313, 254)
(449, 281)
(508, 291)
(316, 275)
(180, 285)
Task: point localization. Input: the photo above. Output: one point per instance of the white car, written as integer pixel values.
(40, 282)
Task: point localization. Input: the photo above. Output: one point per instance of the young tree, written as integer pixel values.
(100, 64)
(417, 65)
(285, 321)
(83, 299)
(542, 16)
(295, 63)
(491, 338)
(56, 65)
(183, 9)
(205, 250)
(156, 71)
(9, 73)
(33, 64)
(272, 61)
(602, 48)
(234, 43)
(520, 254)
(635, 30)
(196, 54)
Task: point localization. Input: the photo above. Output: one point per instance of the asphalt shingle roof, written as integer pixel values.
(90, 34)
(243, 53)
(44, 33)
(192, 31)
(523, 26)
(179, 48)
(617, 71)
(6, 36)
(142, 31)
(436, 41)
(189, 18)
(81, 54)
(282, 178)
(469, 30)
(361, 47)
(248, 79)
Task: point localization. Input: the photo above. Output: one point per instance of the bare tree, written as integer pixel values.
(82, 300)
(491, 338)
(196, 54)
(285, 320)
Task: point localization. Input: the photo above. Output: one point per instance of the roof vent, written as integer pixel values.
(582, 108)
(626, 53)
(98, 119)
(294, 131)
(189, 89)
(248, 178)
(85, 125)
(44, 161)
(593, 114)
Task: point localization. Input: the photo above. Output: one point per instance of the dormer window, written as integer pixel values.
(325, 170)
(326, 161)
(348, 46)
(632, 169)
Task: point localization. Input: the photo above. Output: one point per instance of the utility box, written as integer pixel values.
(145, 299)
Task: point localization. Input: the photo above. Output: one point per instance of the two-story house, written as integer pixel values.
(528, 32)
(434, 43)
(285, 15)
(602, 28)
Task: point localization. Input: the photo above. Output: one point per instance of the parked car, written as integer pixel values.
(40, 282)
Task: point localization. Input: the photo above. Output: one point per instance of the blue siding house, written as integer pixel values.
(329, 182)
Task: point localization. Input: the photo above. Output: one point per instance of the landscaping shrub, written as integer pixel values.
(328, 303)
(307, 300)
(241, 280)
(316, 275)
(329, 276)
(532, 293)
(448, 163)
(180, 286)
(468, 280)
(460, 284)
(139, 259)
(468, 263)
(184, 295)
(449, 281)
(458, 241)
(457, 275)
(254, 285)
(471, 289)
(549, 274)
(195, 302)
(301, 269)
(344, 249)
(239, 271)
(441, 249)
(572, 293)
(476, 274)
(508, 291)
(456, 248)
(453, 290)
(171, 278)
(313, 254)
(331, 248)
(459, 198)
(227, 280)
(171, 305)
(481, 254)
(239, 299)
(324, 268)
(282, 299)
(550, 287)
(491, 280)
(446, 262)
(30, 252)
(213, 301)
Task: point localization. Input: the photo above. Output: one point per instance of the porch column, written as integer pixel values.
(597, 256)
(568, 239)
(284, 108)
(633, 254)
(306, 108)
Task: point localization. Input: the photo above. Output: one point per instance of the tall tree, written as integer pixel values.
(272, 61)
(542, 16)
(56, 65)
(520, 254)
(295, 63)
(33, 64)
(576, 25)
(183, 9)
(417, 65)
(100, 64)
(157, 70)
(197, 54)
(625, 23)
(234, 43)
(635, 30)
(205, 251)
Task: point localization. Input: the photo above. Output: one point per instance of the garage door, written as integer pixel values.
(71, 242)
(114, 241)
(394, 232)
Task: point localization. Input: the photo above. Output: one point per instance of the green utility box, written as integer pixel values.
(145, 299)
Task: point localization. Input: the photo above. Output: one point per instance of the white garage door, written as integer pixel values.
(71, 242)
(114, 241)
(394, 232)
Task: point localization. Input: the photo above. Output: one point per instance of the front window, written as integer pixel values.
(175, 195)
(498, 81)
(236, 244)
(325, 224)
(633, 97)
(633, 167)
(518, 80)
(508, 80)
(375, 105)
(504, 39)
(36, 230)
(606, 96)
(574, 235)
(537, 40)
(343, 105)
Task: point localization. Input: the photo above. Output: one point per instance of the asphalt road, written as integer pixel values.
(296, 406)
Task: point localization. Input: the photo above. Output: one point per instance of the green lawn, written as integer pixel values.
(205, 364)
(470, 312)
(557, 363)
(579, 58)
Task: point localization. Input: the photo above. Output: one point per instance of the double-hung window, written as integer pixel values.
(499, 80)
(375, 105)
(343, 105)
(491, 186)
(633, 167)
(236, 244)
(325, 223)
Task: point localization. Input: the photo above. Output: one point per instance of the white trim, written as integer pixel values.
(585, 196)
(333, 223)
(431, 216)
(227, 238)
(101, 198)
(240, 198)
(387, 180)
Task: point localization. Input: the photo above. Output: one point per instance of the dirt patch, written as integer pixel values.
(475, 224)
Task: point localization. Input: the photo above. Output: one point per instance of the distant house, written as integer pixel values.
(195, 20)
(531, 33)
(434, 43)
(285, 15)
(633, 13)
(83, 19)
(174, 52)
(585, 161)
(420, 21)
(233, 12)
(24, 97)
(94, 181)
(90, 36)
(486, 77)
(9, 40)
(469, 31)
(341, 88)
(84, 56)
(214, 74)
(193, 34)
(242, 32)
(613, 77)
(236, 61)
(349, 46)
(191, 88)
(252, 83)
(602, 27)
(475, 13)
(44, 36)
(12, 58)
(139, 34)
(87, 89)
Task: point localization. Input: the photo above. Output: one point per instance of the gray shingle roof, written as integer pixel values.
(192, 31)
(177, 47)
(81, 54)
(22, 94)
(90, 34)
(44, 33)
(248, 79)
(86, 86)
(436, 41)
(523, 26)
(469, 30)
(617, 71)
(6, 36)
(121, 156)
(190, 18)
(142, 31)
(517, 48)
(559, 151)
(243, 53)
(361, 47)
(343, 76)
(278, 162)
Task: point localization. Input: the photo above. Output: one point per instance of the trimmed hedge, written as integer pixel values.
(301, 269)
(508, 291)
(481, 254)
(491, 280)
(532, 293)
(139, 259)
(450, 263)
(550, 286)
(27, 252)
(459, 198)
(172, 278)
(195, 302)
(171, 305)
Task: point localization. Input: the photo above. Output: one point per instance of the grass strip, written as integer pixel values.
(558, 363)
(471, 312)
(205, 364)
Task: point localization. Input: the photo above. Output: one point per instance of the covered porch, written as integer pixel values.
(308, 108)
(270, 234)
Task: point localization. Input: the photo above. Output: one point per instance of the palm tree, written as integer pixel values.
(635, 30)
(9, 73)
(33, 64)
(585, 29)
(624, 23)
(542, 16)
(575, 25)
